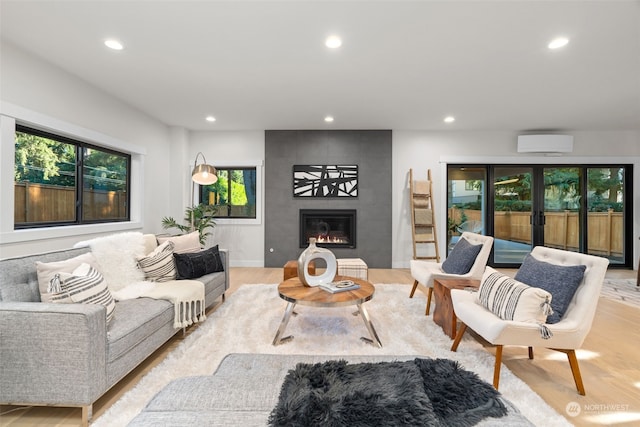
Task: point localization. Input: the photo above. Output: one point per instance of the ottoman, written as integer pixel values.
(291, 269)
(353, 267)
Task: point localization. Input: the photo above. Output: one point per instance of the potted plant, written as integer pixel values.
(200, 218)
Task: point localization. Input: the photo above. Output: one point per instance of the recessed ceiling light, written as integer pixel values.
(210, 119)
(558, 43)
(333, 42)
(449, 119)
(328, 119)
(113, 44)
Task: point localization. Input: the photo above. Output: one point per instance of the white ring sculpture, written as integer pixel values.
(311, 253)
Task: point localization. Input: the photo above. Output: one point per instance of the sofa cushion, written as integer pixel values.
(137, 319)
(20, 292)
(561, 281)
(150, 242)
(159, 266)
(185, 243)
(47, 270)
(510, 299)
(461, 258)
(197, 264)
(84, 285)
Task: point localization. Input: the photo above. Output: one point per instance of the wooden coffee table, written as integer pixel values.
(443, 313)
(294, 292)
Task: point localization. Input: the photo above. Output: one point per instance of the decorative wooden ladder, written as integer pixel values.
(423, 221)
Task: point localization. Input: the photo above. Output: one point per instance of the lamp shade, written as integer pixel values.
(204, 174)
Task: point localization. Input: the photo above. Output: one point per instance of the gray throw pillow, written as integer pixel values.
(461, 258)
(561, 281)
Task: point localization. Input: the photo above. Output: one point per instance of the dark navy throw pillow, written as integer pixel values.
(561, 281)
(461, 258)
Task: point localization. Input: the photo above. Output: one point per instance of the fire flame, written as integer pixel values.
(330, 239)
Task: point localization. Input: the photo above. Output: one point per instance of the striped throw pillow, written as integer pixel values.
(159, 266)
(512, 300)
(85, 285)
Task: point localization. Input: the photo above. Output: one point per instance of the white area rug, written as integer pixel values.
(622, 290)
(248, 321)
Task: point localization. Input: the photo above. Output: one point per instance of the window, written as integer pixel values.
(61, 181)
(580, 208)
(234, 194)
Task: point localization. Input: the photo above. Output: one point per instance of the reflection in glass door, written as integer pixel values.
(606, 213)
(512, 214)
(466, 207)
(562, 211)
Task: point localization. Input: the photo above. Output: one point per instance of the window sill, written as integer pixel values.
(46, 233)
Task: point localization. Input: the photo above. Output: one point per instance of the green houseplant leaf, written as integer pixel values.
(203, 220)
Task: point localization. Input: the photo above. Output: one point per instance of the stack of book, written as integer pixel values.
(339, 286)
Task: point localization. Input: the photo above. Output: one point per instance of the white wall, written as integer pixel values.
(45, 90)
(244, 239)
(422, 150)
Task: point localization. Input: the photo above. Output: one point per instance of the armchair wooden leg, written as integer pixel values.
(429, 294)
(413, 290)
(531, 353)
(459, 335)
(575, 369)
(496, 368)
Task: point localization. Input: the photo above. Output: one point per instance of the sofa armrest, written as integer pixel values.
(224, 255)
(52, 353)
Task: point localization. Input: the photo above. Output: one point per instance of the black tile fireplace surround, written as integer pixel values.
(332, 228)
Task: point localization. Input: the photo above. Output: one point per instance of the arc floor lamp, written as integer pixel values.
(202, 174)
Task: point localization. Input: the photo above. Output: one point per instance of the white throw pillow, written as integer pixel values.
(116, 256)
(159, 265)
(85, 285)
(47, 270)
(185, 243)
(512, 300)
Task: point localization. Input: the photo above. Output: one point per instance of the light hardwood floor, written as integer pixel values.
(609, 362)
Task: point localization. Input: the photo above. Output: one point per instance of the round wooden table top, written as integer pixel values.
(292, 290)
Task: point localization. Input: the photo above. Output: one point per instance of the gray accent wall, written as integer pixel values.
(369, 149)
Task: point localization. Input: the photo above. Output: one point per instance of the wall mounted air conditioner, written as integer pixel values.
(551, 144)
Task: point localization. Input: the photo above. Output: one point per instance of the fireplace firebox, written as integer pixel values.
(332, 228)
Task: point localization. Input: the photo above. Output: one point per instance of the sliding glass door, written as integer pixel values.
(561, 213)
(575, 208)
(609, 214)
(466, 195)
(513, 213)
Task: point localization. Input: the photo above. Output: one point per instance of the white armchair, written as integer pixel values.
(424, 272)
(568, 333)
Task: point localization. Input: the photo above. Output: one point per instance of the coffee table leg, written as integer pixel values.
(283, 325)
(372, 331)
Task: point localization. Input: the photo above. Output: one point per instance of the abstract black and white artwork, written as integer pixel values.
(325, 181)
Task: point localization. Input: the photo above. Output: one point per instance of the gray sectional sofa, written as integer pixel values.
(66, 354)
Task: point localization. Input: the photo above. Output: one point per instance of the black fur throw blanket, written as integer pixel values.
(424, 392)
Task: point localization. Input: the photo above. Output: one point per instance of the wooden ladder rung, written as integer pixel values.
(423, 215)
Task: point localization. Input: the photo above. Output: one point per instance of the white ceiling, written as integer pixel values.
(403, 64)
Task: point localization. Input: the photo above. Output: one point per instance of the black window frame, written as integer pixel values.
(202, 191)
(80, 147)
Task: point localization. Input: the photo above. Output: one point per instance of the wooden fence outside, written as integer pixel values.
(54, 203)
(561, 230)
